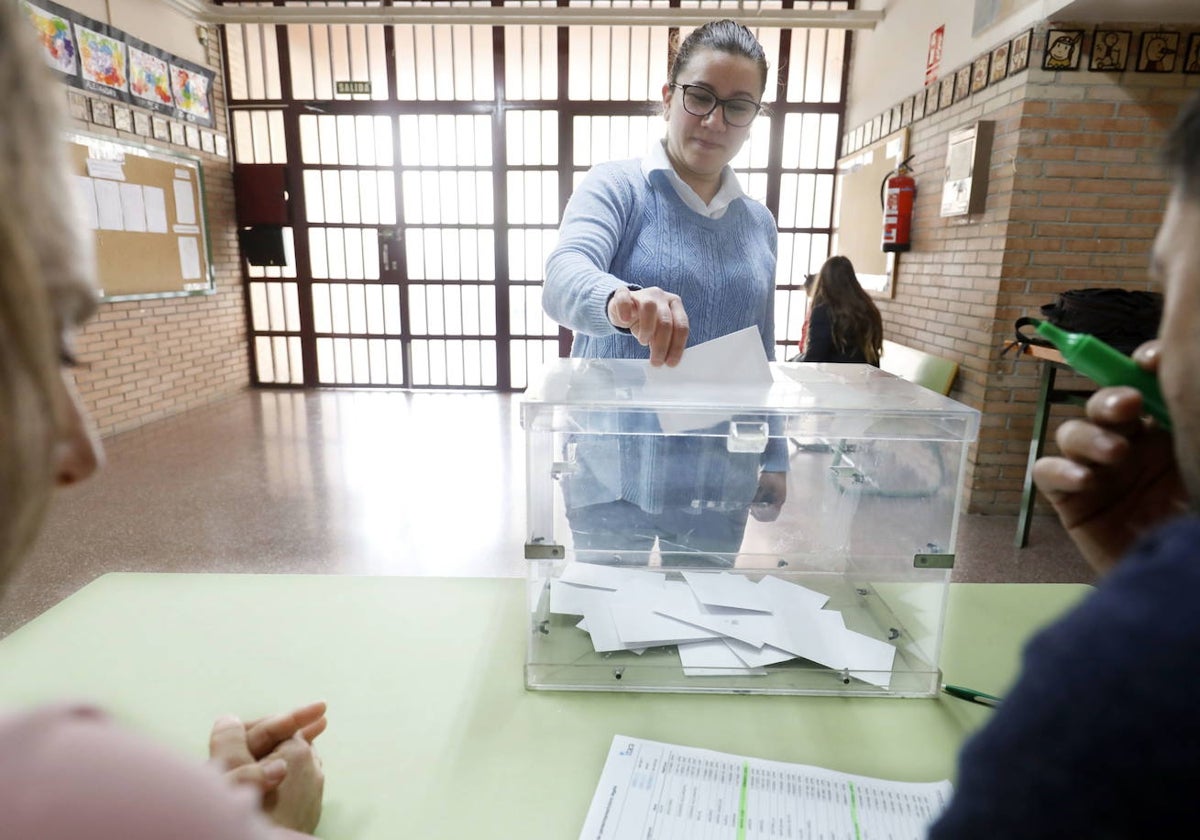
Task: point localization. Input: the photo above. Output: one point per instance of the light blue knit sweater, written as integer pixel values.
(623, 227)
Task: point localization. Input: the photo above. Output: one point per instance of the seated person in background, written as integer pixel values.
(844, 324)
(1100, 731)
(67, 772)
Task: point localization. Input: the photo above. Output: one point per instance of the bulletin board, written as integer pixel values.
(858, 214)
(146, 208)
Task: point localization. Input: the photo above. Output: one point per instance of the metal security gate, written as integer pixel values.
(429, 164)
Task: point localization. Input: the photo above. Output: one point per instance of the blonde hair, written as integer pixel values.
(46, 281)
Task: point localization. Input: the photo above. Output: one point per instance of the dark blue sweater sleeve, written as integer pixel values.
(1101, 731)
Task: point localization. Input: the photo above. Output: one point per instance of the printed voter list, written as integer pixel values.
(654, 791)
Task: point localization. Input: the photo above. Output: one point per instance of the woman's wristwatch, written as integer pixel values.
(633, 287)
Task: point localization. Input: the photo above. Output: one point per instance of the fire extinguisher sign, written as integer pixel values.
(933, 59)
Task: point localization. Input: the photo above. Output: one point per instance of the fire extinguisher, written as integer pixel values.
(896, 196)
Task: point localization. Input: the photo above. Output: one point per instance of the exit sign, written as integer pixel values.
(354, 87)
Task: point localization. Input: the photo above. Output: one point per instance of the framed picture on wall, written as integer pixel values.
(1159, 52)
(919, 106)
(885, 123)
(1191, 60)
(906, 111)
(191, 136)
(77, 105)
(1018, 56)
(122, 118)
(947, 97)
(979, 72)
(897, 116)
(933, 98)
(160, 129)
(221, 145)
(141, 123)
(962, 83)
(999, 63)
(1064, 48)
(208, 142)
(177, 133)
(1110, 50)
(102, 112)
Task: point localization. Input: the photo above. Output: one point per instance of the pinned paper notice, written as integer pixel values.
(156, 209)
(189, 258)
(85, 193)
(185, 202)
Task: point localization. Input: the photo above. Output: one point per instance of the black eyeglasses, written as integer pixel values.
(700, 102)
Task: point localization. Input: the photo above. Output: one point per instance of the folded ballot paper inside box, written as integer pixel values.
(793, 536)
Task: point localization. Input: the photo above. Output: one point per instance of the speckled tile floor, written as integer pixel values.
(352, 482)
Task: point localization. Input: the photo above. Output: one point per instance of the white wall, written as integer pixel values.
(150, 20)
(888, 62)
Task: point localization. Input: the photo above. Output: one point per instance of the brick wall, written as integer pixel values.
(1074, 199)
(948, 286)
(1088, 197)
(149, 359)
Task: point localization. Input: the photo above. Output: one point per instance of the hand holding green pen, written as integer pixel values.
(1107, 366)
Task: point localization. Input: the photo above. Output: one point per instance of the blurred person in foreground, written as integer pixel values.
(67, 771)
(1099, 735)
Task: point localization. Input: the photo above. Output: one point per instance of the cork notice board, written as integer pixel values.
(146, 208)
(858, 215)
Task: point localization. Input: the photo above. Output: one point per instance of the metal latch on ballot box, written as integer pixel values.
(933, 561)
(747, 436)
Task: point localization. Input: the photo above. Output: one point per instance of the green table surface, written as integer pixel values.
(432, 733)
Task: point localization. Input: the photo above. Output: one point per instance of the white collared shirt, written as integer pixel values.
(729, 191)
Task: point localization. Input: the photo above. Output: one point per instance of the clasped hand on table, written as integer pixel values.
(275, 755)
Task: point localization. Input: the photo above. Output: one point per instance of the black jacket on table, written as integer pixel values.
(821, 346)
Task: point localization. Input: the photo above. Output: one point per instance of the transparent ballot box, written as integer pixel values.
(789, 537)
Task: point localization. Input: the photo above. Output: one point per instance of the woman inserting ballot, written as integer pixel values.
(655, 255)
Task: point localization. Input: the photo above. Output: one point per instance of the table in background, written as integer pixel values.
(431, 731)
(1048, 395)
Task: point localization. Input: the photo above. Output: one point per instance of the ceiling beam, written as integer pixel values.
(207, 11)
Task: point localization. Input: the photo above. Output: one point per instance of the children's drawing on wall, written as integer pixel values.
(1158, 53)
(979, 72)
(962, 82)
(54, 32)
(1063, 49)
(1192, 63)
(1019, 59)
(999, 63)
(1110, 50)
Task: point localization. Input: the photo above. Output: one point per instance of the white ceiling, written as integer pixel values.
(1140, 11)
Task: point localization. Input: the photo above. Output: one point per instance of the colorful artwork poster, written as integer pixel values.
(54, 33)
(102, 59)
(149, 77)
(191, 92)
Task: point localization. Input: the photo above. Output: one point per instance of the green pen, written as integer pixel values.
(971, 695)
(1107, 366)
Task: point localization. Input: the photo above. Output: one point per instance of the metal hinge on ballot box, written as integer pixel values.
(544, 551)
